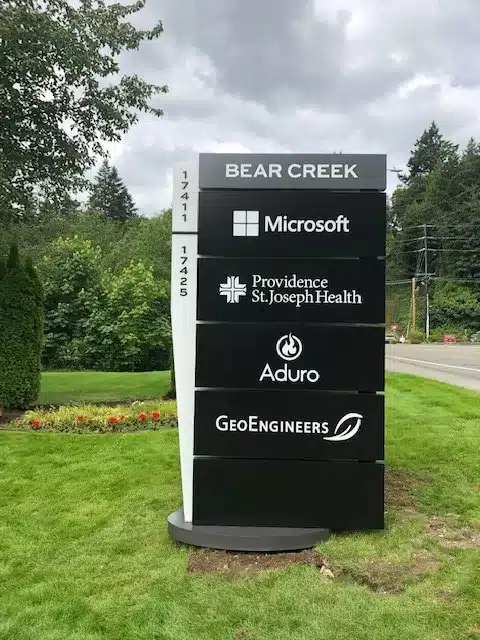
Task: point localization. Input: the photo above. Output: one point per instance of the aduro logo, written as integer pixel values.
(289, 347)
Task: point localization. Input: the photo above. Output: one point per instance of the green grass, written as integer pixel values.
(84, 552)
(59, 387)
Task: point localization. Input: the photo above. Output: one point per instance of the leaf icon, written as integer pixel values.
(350, 423)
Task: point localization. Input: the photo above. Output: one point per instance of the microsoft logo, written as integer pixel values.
(246, 223)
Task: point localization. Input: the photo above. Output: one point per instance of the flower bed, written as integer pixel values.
(139, 416)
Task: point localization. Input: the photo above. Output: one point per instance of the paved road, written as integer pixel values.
(453, 363)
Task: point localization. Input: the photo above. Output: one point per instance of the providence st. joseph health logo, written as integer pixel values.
(289, 348)
(289, 290)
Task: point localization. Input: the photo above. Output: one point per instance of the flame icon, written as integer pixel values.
(289, 347)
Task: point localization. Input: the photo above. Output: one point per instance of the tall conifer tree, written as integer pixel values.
(21, 330)
(110, 196)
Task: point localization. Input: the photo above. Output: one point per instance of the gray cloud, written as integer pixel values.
(279, 52)
(283, 75)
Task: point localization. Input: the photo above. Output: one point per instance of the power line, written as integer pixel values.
(412, 240)
(456, 279)
(422, 250)
(398, 253)
(432, 276)
(456, 250)
(474, 236)
(422, 273)
(460, 225)
(399, 282)
(448, 238)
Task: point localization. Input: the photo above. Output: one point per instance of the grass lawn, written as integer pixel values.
(58, 387)
(84, 552)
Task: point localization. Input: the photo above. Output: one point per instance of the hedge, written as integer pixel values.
(21, 332)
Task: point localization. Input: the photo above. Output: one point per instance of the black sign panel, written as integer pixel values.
(276, 356)
(301, 425)
(295, 289)
(291, 223)
(287, 493)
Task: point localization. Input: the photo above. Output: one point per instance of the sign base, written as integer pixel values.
(261, 539)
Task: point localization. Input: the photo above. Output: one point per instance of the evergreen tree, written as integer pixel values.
(21, 324)
(428, 196)
(441, 190)
(469, 176)
(461, 244)
(39, 319)
(472, 149)
(99, 196)
(429, 149)
(110, 196)
(459, 207)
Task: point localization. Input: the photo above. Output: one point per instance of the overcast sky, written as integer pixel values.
(299, 76)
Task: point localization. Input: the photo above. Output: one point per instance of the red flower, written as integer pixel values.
(142, 416)
(112, 419)
(80, 418)
(35, 423)
(155, 415)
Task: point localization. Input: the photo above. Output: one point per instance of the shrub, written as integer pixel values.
(71, 278)
(416, 337)
(139, 416)
(460, 333)
(21, 333)
(109, 321)
(128, 329)
(455, 305)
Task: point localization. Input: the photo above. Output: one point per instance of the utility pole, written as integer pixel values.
(414, 305)
(427, 321)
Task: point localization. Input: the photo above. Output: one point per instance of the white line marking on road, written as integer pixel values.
(438, 364)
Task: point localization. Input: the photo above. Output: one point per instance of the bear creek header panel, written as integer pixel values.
(292, 171)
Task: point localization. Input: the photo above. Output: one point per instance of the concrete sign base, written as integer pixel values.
(261, 539)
